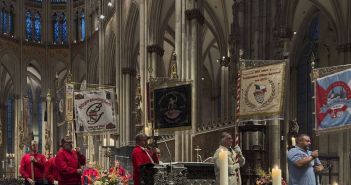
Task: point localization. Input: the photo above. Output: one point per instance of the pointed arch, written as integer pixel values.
(131, 24)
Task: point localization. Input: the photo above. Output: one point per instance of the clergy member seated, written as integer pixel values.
(142, 157)
(90, 175)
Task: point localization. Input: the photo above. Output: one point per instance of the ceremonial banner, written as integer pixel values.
(173, 107)
(262, 91)
(333, 100)
(95, 111)
(60, 105)
(69, 102)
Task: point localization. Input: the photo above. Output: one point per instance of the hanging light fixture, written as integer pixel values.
(109, 4)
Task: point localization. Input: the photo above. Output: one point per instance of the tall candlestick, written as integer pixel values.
(276, 176)
(293, 141)
(223, 167)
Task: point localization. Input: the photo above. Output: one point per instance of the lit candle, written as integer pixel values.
(276, 176)
(104, 142)
(112, 142)
(223, 167)
(293, 141)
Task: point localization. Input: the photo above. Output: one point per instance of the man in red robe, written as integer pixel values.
(141, 156)
(90, 174)
(68, 163)
(51, 173)
(32, 166)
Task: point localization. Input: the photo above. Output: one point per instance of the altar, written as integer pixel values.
(184, 173)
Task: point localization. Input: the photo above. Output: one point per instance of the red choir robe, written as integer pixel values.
(120, 172)
(140, 157)
(89, 176)
(38, 166)
(51, 173)
(67, 164)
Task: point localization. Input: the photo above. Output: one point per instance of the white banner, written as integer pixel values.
(95, 111)
(262, 90)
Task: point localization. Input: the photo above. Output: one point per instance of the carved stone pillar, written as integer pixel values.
(224, 62)
(156, 52)
(196, 19)
(127, 127)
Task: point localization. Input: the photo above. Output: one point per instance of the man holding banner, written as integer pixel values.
(228, 161)
(69, 163)
(32, 166)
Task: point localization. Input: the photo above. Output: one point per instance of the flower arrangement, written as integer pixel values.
(266, 178)
(111, 179)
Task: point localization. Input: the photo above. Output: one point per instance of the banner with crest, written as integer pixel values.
(333, 101)
(173, 107)
(95, 111)
(261, 93)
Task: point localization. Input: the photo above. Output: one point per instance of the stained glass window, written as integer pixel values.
(58, 1)
(64, 28)
(4, 22)
(1, 19)
(29, 25)
(83, 26)
(9, 125)
(56, 28)
(37, 27)
(11, 23)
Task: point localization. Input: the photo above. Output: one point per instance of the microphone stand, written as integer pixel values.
(170, 156)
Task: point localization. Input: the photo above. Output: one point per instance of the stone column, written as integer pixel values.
(118, 19)
(224, 62)
(178, 35)
(128, 109)
(274, 143)
(123, 111)
(177, 148)
(44, 126)
(143, 60)
(196, 21)
(127, 104)
(156, 52)
(18, 132)
(101, 46)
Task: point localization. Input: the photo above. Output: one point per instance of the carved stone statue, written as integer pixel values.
(293, 128)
